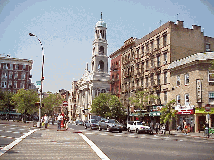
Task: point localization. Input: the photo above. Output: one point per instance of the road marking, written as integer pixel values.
(94, 147)
(16, 132)
(117, 135)
(1, 130)
(11, 145)
(89, 133)
(8, 131)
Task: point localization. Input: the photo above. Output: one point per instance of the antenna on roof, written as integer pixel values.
(160, 22)
(101, 15)
(177, 16)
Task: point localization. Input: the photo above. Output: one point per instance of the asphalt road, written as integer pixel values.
(125, 146)
(9, 131)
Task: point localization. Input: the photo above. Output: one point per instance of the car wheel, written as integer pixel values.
(120, 131)
(137, 131)
(108, 130)
(100, 129)
(85, 127)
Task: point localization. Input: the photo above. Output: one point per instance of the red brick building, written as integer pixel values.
(15, 73)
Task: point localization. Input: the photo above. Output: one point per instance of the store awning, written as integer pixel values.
(202, 110)
(138, 114)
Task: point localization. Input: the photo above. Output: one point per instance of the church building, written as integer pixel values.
(93, 82)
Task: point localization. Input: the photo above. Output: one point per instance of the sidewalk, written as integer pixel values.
(51, 144)
(191, 134)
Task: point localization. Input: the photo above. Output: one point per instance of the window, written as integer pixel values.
(165, 58)
(101, 50)
(158, 42)
(211, 76)
(23, 76)
(15, 84)
(178, 80)
(152, 45)
(4, 74)
(186, 97)
(207, 47)
(142, 48)
(5, 66)
(10, 84)
(142, 82)
(211, 97)
(147, 81)
(165, 77)
(158, 79)
(158, 61)
(164, 39)
(16, 75)
(24, 67)
(4, 84)
(142, 67)
(10, 75)
(147, 64)
(186, 79)
(16, 66)
(101, 66)
(178, 99)
(11, 66)
(152, 79)
(147, 47)
(22, 85)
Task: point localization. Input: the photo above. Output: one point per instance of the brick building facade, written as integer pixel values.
(15, 73)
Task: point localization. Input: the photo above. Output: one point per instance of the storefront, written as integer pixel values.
(201, 118)
(185, 113)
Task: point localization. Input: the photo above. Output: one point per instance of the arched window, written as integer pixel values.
(101, 66)
(101, 50)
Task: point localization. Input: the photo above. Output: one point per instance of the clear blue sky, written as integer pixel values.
(66, 29)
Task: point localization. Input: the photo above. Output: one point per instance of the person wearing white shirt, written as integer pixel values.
(59, 119)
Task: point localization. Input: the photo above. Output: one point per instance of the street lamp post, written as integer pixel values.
(42, 78)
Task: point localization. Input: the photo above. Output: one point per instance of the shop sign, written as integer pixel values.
(185, 111)
(202, 110)
(198, 90)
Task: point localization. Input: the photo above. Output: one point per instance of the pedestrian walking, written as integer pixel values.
(46, 121)
(185, 127)
(157, 127)
(59, 119)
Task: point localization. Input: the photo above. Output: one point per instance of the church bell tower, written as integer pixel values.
(99, 63)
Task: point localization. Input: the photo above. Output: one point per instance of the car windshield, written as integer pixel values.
(139, 123)
(93, 121)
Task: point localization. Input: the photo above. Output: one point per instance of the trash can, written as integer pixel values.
(206, 131)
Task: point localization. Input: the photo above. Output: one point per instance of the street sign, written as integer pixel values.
(38, 82)
(207, 108)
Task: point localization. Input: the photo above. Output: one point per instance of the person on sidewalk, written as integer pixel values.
(59, 119)
(185, 127)
(46, 121)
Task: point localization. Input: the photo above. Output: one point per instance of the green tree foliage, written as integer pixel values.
(24, 101)
(51, 101)
(141, 99)
(167, 112)
(107, 105)
(5, 100)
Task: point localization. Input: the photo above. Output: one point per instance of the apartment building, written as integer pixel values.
(192, 86)
(115, 76)
(15, 73)
(145, 62)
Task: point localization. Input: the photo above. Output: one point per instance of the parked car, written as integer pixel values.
(110, 125)
(140, 127)
(92, 123)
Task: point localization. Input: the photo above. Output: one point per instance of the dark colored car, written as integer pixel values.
(110, 125)
(92, 123)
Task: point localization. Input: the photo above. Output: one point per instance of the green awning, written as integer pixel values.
(155, 113)
(138, 114)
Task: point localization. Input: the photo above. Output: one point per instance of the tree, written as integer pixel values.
(141, 99)
(51, 101)
(24, 101)
(107, 105)
(167, 113)
(5, 100)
